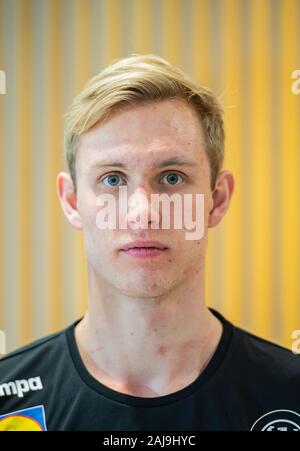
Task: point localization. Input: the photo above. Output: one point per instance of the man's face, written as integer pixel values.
(142, 138)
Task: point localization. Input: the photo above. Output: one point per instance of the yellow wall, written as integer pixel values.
(246, 51)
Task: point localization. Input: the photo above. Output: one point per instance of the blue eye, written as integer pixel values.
(172, 178)
(112, 180)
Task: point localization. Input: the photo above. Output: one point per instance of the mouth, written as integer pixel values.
(144, 249)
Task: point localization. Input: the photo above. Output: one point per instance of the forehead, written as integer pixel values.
(145, 133)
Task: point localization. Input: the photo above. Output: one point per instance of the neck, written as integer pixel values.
(147, 346)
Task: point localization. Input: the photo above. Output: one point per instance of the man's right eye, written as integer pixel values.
(112, 180)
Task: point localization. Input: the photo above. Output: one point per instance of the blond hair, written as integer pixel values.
(138, 79)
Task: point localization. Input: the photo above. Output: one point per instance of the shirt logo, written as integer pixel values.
(21, 386)
(278, 420)
(31, 419)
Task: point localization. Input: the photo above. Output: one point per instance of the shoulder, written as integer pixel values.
(36, 344)
(267, 358)
(30, 359)
(256, 361)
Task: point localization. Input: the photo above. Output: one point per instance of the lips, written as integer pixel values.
(144, 249)
(144, 244)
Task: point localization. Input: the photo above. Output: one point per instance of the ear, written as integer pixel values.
(68, 199)
(221, 196)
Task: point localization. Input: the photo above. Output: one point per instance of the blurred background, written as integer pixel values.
(246, 51)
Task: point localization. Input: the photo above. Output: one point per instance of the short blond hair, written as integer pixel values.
(138, 79)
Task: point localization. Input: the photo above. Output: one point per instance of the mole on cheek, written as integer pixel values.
(161, 349)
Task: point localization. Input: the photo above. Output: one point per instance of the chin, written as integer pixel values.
(144, 289)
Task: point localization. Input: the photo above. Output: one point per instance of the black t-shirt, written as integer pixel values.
(249, 383)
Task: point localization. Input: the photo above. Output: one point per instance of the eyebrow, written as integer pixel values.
(174, 161)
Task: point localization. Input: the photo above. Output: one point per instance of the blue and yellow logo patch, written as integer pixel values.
(31, 419)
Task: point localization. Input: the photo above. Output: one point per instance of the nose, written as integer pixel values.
(140, 212)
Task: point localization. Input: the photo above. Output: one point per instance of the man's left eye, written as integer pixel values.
(173, 178)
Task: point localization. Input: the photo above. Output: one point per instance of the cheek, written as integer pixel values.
(98, 242)
(94, 238)
(88, 217)
(208, 204)
(88, 209)
(195, 217)
(98, 246)
(196, 251)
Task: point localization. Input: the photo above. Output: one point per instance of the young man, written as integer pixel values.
(148, 354)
